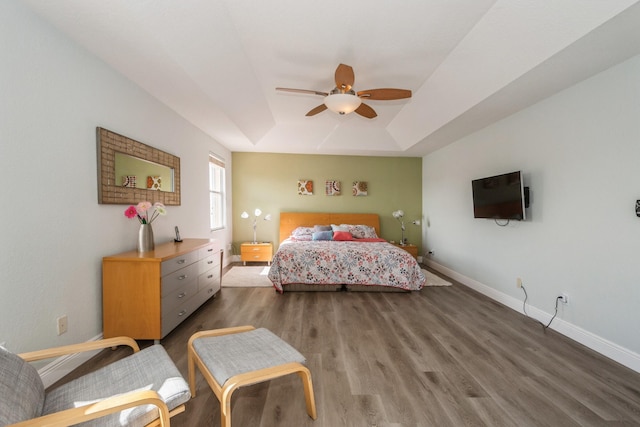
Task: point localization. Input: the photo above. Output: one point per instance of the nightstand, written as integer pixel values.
(412, 249)
(256, 252)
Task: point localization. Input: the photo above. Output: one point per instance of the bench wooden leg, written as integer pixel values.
(309, 397)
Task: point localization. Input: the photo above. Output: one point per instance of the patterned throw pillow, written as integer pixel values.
(369, 232)
(302, 233)
(356, 232)
(361, 231)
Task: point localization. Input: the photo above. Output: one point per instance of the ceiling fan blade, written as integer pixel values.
(344, 77)
(312, 92)
(319, 109)
(365, 111)
(385, 94)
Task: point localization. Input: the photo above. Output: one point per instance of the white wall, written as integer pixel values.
(579, 152)
(54, 233)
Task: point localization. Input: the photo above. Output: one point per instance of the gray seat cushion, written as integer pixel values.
(21, 389)
(229, 355)
(149, 369)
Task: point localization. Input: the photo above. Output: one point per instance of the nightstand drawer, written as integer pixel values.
(256, 251)
(412, 249)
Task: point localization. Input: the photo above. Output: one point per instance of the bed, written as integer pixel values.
(343, 262)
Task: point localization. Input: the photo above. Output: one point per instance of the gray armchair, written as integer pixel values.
(143, 389)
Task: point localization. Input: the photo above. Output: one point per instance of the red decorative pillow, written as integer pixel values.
(342, 235)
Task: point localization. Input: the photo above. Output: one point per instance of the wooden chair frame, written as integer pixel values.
(107, 406)
(224, 392)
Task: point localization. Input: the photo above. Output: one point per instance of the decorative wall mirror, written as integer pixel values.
(130, 171)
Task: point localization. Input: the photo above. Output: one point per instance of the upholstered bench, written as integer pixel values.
(235, 357)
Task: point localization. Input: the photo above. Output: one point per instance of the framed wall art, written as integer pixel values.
(305, 187)
(359, 188)
(332, 188)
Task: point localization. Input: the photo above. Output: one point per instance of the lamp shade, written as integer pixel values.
(342, 103)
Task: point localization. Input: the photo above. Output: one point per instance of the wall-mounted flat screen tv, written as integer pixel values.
(499, 197)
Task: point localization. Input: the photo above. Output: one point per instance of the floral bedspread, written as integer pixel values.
(345, 262)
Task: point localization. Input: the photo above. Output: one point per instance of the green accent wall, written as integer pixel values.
(269, 182)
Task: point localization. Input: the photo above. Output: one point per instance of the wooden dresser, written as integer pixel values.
(146, 295)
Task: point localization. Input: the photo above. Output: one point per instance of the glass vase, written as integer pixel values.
(145, 238)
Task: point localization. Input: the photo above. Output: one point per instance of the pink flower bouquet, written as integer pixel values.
(145, 211)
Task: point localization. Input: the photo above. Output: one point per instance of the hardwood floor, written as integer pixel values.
(444, 356)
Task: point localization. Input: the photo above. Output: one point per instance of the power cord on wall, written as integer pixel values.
(524, 309)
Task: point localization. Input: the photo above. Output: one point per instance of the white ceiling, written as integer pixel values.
(468, 62)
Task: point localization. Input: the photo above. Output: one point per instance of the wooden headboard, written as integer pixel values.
(289, 221)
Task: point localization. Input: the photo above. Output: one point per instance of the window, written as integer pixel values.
(216, 193)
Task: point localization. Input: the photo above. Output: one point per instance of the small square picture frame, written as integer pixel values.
(305, 187)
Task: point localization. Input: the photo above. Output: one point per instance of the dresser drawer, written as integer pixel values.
(173, 264)
(171, 301)
(208, 263)
(172, 318)
(212, 249)
(177, 279)
(209, 279)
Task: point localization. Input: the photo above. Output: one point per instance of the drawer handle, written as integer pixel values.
(181, 261)
(210, 276)
(210, 250)
(182, 295)
(182, 313)
(210, 290)
(255, 249)
(209, 262)
(184, 276)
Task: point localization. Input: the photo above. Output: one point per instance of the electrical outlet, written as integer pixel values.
(229, 246)
(564, 298)
(519, 282)
(62, 323)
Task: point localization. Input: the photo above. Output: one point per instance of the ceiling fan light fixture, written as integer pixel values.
(342, 103)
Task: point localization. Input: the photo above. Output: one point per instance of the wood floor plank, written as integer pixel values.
(444, 356)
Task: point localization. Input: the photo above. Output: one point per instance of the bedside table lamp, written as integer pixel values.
(399, 215)
(256, 213)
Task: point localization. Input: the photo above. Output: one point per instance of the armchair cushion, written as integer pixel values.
(148, 369)
(21, 389)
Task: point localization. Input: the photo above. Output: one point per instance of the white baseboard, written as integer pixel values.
(65, 364)
(596, 343)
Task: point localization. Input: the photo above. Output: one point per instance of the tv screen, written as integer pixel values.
(499, 197)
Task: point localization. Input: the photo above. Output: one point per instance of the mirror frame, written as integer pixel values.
(109, 192)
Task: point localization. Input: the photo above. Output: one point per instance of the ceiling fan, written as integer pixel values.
(344, 100)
